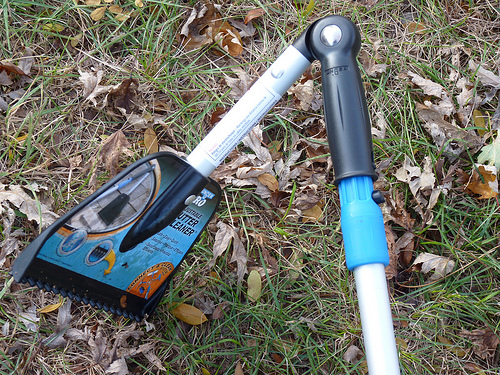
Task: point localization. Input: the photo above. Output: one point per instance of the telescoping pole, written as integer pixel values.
(335, 42)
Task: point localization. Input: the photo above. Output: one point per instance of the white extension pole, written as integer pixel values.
(248, 111)
(376, 319)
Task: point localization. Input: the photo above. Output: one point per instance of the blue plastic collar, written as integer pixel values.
(362, 223)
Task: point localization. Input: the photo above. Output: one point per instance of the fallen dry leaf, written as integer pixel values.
(10, 242)
(405, 245)
(98, 345)
(98, 14)
(269, 180)
(125, 93)
(111, 149)
(11, 69)
(254, 286)
(196, 32)
(30, 319)
(245, 30)
(238, 369)
(416, 178)
(451, 347)
(150, 141)
(91, 87)
(445, 134)
(254, 141)
(487, 189)
(427, 262)
(32, 208)
(429, 87)
(49, 308)
(229, 39)
(491, 153)
(223, 238)
(479, 123)
(304, 92)
(254, 13)
(416, 27)
(485, 342)
(239, 256)
(239, 86)
(64, 317)
(26, 62)
(189, 314)
(486, 77)
(5, 80)
(115, 9)
(313, 214)
(391, 270)
(353, 354)
(205, 25)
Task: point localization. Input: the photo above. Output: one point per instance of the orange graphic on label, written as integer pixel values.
(150, 280)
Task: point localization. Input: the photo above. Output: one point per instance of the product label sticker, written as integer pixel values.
(89, 242)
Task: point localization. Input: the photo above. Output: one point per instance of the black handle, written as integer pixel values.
(166, 207)
(335, 42)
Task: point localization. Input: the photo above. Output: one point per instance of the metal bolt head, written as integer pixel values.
(331, 35)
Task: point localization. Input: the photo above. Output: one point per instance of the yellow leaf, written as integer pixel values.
(449, 346)
(55, 27)
(479, 121)
(416, 27)
(269, 180)
(313, 214)
(49, 308)
(98, 13)
(93, 2)
(123, 16)
(115, 9)
(189, 314)
(254, 285)
(108, 1)
(139, 3)
(401, 344)
(151, 141)
(309, 8)
(204, 371)
(76, 39)
(21, 138)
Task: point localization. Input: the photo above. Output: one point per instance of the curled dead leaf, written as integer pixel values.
(229, 39)
(440, 264)
(49, 308)
(483, 182)
(491, 153)
(353, 354)
(485, 342)
(269, 180)
(254, 13)
(111, 149)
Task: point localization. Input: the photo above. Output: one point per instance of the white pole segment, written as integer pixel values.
(376, 319)
(248, 111)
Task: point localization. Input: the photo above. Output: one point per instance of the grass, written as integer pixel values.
(306, 317)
